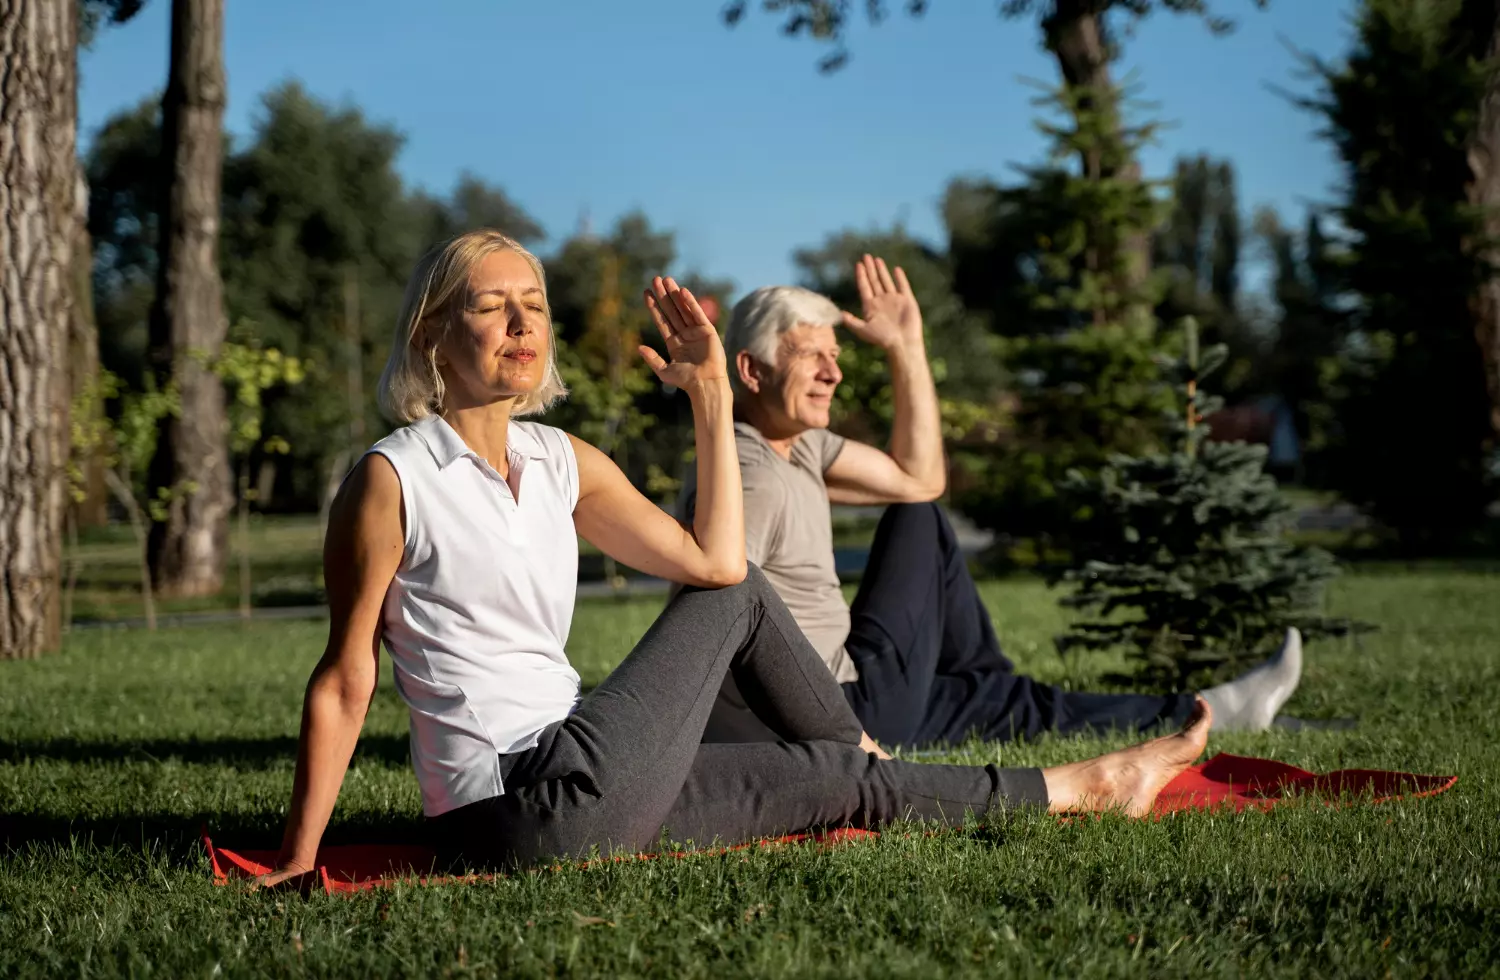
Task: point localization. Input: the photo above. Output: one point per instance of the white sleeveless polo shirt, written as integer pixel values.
(477, 617)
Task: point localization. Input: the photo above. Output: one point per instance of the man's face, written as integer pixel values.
(800, 386)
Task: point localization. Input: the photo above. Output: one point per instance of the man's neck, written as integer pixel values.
(780, 434)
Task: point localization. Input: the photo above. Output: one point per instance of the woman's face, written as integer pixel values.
(498, 347)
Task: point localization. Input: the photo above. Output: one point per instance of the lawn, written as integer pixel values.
(113, 754)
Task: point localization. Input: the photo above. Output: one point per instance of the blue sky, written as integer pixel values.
(731, 138)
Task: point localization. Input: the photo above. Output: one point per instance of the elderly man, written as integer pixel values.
(916, 653)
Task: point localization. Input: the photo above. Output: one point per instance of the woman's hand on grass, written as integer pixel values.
(289, 875)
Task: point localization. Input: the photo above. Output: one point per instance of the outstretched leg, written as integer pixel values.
(931, 667)
(736, 793)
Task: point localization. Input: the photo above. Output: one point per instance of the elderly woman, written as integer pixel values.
(455, 541)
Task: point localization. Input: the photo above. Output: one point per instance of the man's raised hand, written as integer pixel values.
(892, 318)
(693, 346)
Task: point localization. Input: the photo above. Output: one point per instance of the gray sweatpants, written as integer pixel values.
(627, 766)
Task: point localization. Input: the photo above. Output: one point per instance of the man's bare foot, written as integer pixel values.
(1130, 779)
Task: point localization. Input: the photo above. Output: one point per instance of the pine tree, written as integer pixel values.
(1080, 366)
(1190, 545)
(1411, 442)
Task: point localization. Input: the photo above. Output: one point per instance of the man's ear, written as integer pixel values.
(749, 370)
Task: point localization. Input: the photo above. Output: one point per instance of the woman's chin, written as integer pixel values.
(517, 386)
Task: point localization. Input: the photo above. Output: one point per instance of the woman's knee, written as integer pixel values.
(754, 583)
(755, 579)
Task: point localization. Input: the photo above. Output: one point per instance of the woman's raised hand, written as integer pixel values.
(697, 355)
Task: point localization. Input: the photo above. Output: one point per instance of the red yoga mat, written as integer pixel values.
(1224, 781)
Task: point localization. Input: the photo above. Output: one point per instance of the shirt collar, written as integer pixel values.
(446, 445)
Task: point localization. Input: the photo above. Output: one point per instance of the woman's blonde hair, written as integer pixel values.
(410, 386)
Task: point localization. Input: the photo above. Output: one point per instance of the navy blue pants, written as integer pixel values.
(930, 666)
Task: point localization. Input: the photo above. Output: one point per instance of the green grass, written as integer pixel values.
(114, 753)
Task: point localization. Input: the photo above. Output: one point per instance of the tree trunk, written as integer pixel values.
(1483, 19)
(1074, 33)
(83, 359)
(187, 550)
(38, 160)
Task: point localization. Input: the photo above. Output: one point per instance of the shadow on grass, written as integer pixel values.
(178, 836)
(240, 753)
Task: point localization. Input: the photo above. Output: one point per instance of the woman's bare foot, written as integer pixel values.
(1130, 779)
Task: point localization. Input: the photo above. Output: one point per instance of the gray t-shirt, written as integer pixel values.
(789, 533)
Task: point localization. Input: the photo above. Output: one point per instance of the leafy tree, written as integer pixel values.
(125, 439)
(122, 168)
(1413, 435)
(249, 371)
(595, 284)
(472, 204)
(319, 234)
(1182, 557)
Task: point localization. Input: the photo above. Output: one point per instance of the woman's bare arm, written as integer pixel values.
(360, 556)
(616, 518)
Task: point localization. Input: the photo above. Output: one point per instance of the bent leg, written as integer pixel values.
(917, 592)
(608, 774)
(917, 617)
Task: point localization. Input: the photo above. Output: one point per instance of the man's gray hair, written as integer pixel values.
(759, 320)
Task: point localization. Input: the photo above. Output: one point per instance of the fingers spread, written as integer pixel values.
(667, 303)
(655, 306)
(676, 306)
(902, 285)
(862, 281)
(694, 311)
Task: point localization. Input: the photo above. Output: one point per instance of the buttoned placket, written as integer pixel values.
(510, 507)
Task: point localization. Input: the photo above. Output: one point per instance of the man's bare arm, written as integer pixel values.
(913, 469)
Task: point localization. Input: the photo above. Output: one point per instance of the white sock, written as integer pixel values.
(1249, 702)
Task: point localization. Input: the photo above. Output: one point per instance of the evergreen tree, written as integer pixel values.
(1189, 544)
(1079, 364)
(1198, 251)
(1413, 435)
(1309, 333)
